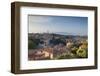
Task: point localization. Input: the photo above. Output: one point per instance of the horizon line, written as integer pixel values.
(56, 33)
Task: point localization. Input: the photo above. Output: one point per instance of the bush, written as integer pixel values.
(66, 56)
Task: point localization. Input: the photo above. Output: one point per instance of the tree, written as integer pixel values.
(57, 41)
(83, 46)
(81, 53)
(74, 49)
(31, 45)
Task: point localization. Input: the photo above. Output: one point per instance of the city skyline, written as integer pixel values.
(58, 24)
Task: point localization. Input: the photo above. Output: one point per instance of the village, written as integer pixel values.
(55, 46)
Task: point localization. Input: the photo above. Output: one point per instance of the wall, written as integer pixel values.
(5, 42)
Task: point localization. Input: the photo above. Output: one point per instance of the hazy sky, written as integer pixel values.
(52, 24)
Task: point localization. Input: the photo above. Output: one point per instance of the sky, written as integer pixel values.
(58, 24)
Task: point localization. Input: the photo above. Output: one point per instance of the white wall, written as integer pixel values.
(5, 42)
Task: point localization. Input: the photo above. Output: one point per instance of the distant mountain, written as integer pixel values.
(66, 33)
(59, 33)
(63, 33)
